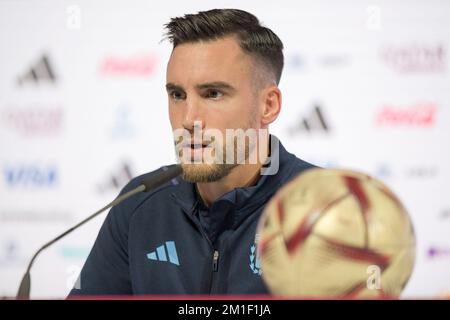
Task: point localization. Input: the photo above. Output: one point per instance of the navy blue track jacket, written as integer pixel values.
(167, 242)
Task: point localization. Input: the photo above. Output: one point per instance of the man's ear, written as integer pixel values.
(271, 105)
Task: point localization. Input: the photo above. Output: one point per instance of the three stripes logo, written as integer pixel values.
(41, 71)
(166, 252)
(313, 122)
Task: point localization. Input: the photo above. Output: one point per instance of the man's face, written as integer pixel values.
(210, 84)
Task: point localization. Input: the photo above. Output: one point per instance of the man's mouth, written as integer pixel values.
(195, 151)
(198, 145)
(194, 145)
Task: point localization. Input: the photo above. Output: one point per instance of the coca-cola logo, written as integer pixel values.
(140, 65)
(421, 114)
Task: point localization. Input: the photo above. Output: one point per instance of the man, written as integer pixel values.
(196, 234)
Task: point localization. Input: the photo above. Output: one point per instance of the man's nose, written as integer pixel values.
(193, 117)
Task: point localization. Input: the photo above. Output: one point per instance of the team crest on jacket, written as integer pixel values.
(254, 258)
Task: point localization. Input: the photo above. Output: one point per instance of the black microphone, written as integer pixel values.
(148, 183)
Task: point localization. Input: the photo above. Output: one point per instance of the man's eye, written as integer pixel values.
(177, 95)
(214, 94)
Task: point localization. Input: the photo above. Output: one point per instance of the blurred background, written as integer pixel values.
(83, 109)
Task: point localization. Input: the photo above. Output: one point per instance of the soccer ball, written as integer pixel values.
(335, 233)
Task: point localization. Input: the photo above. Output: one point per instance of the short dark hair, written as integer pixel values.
(255, 39)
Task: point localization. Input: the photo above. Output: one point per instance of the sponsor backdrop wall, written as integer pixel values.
(83, 109)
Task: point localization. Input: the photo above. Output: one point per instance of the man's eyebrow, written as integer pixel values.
(216, 85)
(172, 86)
(209, 85)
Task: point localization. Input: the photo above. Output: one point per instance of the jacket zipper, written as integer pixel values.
(216, 261)
(215, 267)
(215, 257)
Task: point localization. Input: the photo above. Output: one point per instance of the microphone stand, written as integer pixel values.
(150, 182)
(25, 284)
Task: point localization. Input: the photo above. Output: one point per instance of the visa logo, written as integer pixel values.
(30, 176)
